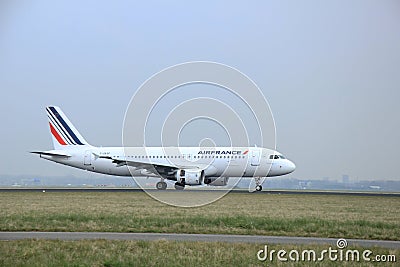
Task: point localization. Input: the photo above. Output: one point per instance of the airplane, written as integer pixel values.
(186, 166)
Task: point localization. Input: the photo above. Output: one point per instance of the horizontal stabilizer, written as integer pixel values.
(55, 153)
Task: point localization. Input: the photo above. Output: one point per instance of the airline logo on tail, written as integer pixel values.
(60, 129)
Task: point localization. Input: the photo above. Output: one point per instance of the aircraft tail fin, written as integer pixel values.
(63, 132)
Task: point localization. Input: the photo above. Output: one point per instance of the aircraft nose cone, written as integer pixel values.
(291, 166)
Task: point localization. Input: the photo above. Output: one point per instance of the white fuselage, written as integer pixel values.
(217, 161)
(184, 165)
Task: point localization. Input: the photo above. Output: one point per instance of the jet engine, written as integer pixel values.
(190, 177)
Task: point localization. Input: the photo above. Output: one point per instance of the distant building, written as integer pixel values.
(345, 179)
(375, 187)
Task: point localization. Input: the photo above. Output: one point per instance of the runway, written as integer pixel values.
(235, 191)
(194, 237)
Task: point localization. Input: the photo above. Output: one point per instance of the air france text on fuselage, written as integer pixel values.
(220, 152)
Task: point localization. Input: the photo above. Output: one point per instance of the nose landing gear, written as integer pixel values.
(258, 184)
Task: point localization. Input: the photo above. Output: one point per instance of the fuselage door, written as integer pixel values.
(255, 157)
(87, 160)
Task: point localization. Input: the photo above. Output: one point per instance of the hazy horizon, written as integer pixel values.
(329, 70)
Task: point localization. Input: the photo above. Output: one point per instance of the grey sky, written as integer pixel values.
(329, 69)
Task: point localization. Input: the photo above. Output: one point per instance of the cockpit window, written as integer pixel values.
(276, 157)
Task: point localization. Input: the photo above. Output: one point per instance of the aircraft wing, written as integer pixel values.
(153, 168)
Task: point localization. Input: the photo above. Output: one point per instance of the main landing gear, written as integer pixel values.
(179, 186)
(258, 184)
(161, 185)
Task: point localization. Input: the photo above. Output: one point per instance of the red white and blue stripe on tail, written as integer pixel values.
(62, 129)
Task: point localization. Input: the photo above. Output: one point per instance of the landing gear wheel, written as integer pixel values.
(179, 186)
(161, 185)
(258, 183)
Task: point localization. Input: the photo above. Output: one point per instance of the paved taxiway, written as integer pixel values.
(194, 237)
(236, 191)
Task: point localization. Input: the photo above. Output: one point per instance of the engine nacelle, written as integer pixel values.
(190, 177)
(216, 181)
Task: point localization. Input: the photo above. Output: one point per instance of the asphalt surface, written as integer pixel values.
(236, 191)
(193, 237)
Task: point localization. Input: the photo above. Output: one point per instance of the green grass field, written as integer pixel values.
(159, 253)
(256, 214)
